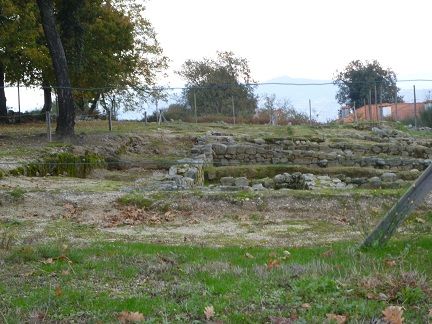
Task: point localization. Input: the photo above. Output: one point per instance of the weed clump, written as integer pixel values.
(64, 163)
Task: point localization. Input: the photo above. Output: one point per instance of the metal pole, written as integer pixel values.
(48, 122)
(233, 109)
(310, 112)
(19, 104)
(195, 105)
(415, 108)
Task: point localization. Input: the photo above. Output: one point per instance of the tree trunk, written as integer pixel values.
(3, 108)
(47, 96)
(66, 117)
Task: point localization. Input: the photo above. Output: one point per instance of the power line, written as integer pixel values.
(223, 85)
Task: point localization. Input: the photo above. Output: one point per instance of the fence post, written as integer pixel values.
(48, 122)
(396, 106)
(145, 117)
(233, 109)
(310, 112)
(415, 108)
(195, 106)
(401, 210)
(355, 113)
(110, 119)
(19, 104)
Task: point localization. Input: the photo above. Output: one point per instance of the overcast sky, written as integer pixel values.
(302, 38)
(296, 38)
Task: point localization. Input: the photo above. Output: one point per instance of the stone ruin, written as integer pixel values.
(382, 148)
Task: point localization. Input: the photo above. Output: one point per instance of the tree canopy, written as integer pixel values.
(111, 47)
(359, 79)
(217, 82)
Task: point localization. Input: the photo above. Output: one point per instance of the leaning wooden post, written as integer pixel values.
(401, 210)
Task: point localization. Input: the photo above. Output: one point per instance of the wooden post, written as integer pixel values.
(195, 106)
(370, 102)
(415, 108)
(355, 113)
(233, 109)
(19, 104)
(396, 105)
(310, 112)
(110, 119)
(376, 104)
(364, 105)
(145, 117)
(401, 210)
(48, 122)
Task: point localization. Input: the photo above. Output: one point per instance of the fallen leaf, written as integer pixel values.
(48, 261)
(209, 312)
(128, 317)
(339, 319)
(420, 220)
(65, 272)
(390, 262)
(306, 306)
(58, 291)
(430, 313)
(393, 314)
(249, 256)
(273, 263)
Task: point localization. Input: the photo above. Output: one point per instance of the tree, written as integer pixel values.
(66, 118)
(22, 45)
(358, 80)
(279, 111)
(215, 83)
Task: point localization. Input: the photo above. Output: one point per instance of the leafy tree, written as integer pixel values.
(358, 79)
(110, 48)
(66, 118)
(216, 82)
(22, 46)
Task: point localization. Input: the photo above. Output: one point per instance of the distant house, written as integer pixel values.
(391, 111)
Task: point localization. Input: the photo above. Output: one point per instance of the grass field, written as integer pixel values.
(110, 248)
(99, 281)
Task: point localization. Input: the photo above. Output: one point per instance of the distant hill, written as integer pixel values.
(322, 96)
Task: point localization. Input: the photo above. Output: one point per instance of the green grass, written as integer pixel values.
(175, 283)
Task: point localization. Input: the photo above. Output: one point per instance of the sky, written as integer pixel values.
(302, 39)
(309, 39)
